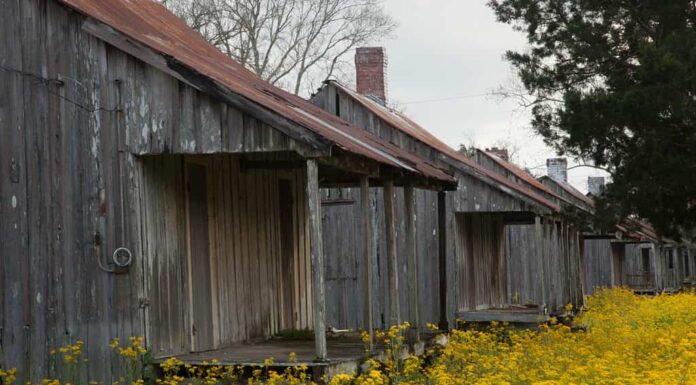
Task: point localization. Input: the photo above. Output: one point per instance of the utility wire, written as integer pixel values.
(47, 81)
(448, 99)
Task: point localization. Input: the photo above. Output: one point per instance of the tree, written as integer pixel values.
(294, 44)
(613, 83)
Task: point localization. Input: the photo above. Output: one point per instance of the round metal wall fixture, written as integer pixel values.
(122, 257)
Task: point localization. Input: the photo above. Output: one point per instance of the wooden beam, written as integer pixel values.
(442, 256)
(317, 258)
(411, 262)
(392, 262)
(540, 262)
(368, 258)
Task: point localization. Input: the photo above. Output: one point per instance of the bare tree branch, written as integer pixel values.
(290, 43)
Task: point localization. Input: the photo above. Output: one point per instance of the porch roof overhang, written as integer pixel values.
(150, 32)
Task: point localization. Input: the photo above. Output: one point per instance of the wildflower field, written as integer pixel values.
(620, 339)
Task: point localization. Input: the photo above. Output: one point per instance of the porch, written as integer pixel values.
(236, 257)
(518, 267)
(344, 354)
(509, 314)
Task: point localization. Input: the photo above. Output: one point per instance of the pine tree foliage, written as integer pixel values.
(613, 83)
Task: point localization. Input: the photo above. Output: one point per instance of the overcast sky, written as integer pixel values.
(453, 48)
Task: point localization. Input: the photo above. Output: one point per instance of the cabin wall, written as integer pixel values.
(67, 195)
(640, 275)
(599, 264)
(74, 111)
(258, 284)
(545, 265)
(525, 271)
(343, 250)
(671, 268)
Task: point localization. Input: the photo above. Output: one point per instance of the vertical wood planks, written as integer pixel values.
(392, 261)
(317, 258)
(442, 257)
(411, 262)
(368, 258)
(540, 259)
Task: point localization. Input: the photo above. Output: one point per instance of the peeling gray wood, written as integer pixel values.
(317, 257)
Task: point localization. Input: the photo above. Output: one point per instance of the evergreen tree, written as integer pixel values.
(613, 82)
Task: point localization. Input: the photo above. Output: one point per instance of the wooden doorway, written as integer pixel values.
(199, 267)
(618, 256)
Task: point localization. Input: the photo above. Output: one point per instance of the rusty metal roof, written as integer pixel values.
(403, 123)
(639, 230)
(152, 25)
(572, 191)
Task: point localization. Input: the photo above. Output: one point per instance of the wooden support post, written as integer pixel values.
(540, 261)
(411, 262)
(317, 257)
(368, 259)
(392, 262)
(442, 257)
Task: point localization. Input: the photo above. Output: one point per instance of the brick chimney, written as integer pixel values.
(501, 153)
(371, 72)
(557, 169)
(595, 185)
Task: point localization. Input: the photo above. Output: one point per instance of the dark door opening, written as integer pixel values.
(200, 291)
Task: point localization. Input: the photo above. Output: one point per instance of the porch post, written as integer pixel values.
(317, 257)
(442, 257)
(392, 262)
(541, 260)
(368, 259)
(412, 263)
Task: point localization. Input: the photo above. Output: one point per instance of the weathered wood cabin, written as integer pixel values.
(462, 267)
(151, 186)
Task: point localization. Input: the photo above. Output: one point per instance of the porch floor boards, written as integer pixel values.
(279, 350)
(520, 315)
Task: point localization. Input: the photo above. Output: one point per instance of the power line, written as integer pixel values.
(48, 81)
(447, 99)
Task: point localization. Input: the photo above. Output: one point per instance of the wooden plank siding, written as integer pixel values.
(599, 264)
(554, 275)
(81, 122)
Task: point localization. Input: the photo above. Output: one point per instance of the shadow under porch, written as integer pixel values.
(516, 267)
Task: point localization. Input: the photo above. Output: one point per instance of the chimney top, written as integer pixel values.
(557, 169)
(595, 185)
(371, 72)
(501, 153)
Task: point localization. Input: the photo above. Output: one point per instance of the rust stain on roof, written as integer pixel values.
(574, 192)
(152, 25)
(638, 229)
(408, 126)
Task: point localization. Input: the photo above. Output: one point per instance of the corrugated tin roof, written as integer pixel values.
(519, 172)
(152, 25)
(638, 229)
(408, 126)
(572, 191)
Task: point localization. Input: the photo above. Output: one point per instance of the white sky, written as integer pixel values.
(451, 48)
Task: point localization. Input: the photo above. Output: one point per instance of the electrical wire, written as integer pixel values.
(447, 99)
(48, 81)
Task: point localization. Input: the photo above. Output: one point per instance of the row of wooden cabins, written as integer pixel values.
(151, 186)
(632, 255)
